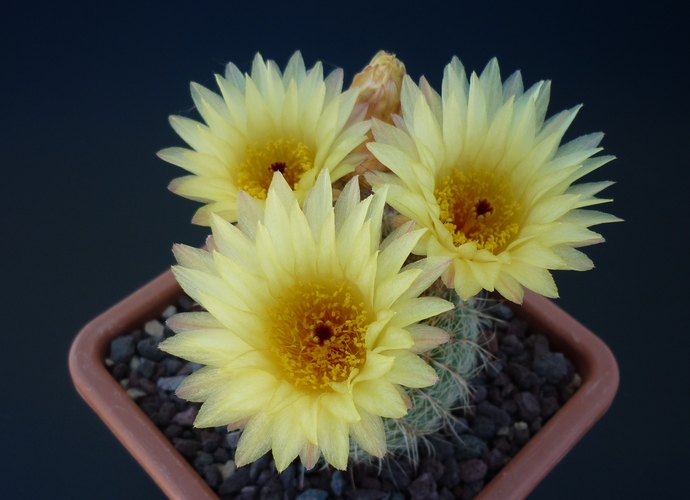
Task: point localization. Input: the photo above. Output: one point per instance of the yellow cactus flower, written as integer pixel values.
(295, 123)
(311, 331)
(480, 168)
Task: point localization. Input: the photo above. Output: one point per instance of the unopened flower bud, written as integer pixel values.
(379, 86)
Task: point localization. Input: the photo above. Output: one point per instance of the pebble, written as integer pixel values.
(535, 426)
(470, 447)
(442, 447)
(166, 413)
(172, 365)
(423, 488)
(552, 366)
(528, 406)
(511, 345)
(135, 393)
(287, 477)
(120, 371)
(517, 327)
(187, 447)
(202, 460)
(235, 482)
(521, 376)
(155, 329)
(170, 384)
(169, 311)
(460, 426)
(494, 368)
(146, 367)
(495, 413)
(549, 406)
(231, 439)
(121, 348)
(227, 469)
(451, 473)
(484, 427)
(472, 470)
(249, 492)
(173, 431)
(258, 465)
(540, 346)
(479, 394)
(369, 494)
(210, 440)
(221, 455)
(312, 494)
(521, 435)
(433, 467)
(186, 418)
(338, 483)
(272, 491)
(494, 459)
(212, 475)
(148, 348)
(502, 311)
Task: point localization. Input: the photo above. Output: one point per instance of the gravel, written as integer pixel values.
(514, 395)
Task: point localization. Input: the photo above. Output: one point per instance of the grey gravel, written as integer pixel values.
(170, 384)
(121, 348)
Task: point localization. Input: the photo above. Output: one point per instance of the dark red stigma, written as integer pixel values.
(323, 333)
(278, 166)
(483, 207)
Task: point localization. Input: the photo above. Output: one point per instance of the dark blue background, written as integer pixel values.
(86, 218)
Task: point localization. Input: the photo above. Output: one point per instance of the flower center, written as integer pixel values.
(318, 333)
(287, 156)
(477, 206)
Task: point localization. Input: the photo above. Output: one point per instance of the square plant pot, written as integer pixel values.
(593, 361)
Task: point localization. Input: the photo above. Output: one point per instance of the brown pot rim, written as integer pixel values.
(178, 479)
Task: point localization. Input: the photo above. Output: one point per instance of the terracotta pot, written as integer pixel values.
(592, 359)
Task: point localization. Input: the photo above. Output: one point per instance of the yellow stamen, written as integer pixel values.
(287, 156)
(476, 206)
(318, 333)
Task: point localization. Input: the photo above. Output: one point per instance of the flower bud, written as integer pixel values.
(379, 86)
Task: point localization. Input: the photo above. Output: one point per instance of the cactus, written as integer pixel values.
(456, 362)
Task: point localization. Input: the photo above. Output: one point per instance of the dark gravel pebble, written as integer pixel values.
(552, 366)
(470, 446)
(187, 447)
(472, 470)
(236, 482)
(122, 348)
(423, 488)
(484, 427)
(528, 406)
(514, 395)
(148, 348)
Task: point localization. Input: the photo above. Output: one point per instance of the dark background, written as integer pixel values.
(86, 217)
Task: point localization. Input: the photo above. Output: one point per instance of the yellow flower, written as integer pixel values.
(480, 168)
(311, 327)
(296, 123)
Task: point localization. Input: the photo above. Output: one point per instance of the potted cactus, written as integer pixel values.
(324, 342)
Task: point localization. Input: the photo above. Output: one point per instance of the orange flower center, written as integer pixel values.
(287, 156)
(318, 333)
(476, 206)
